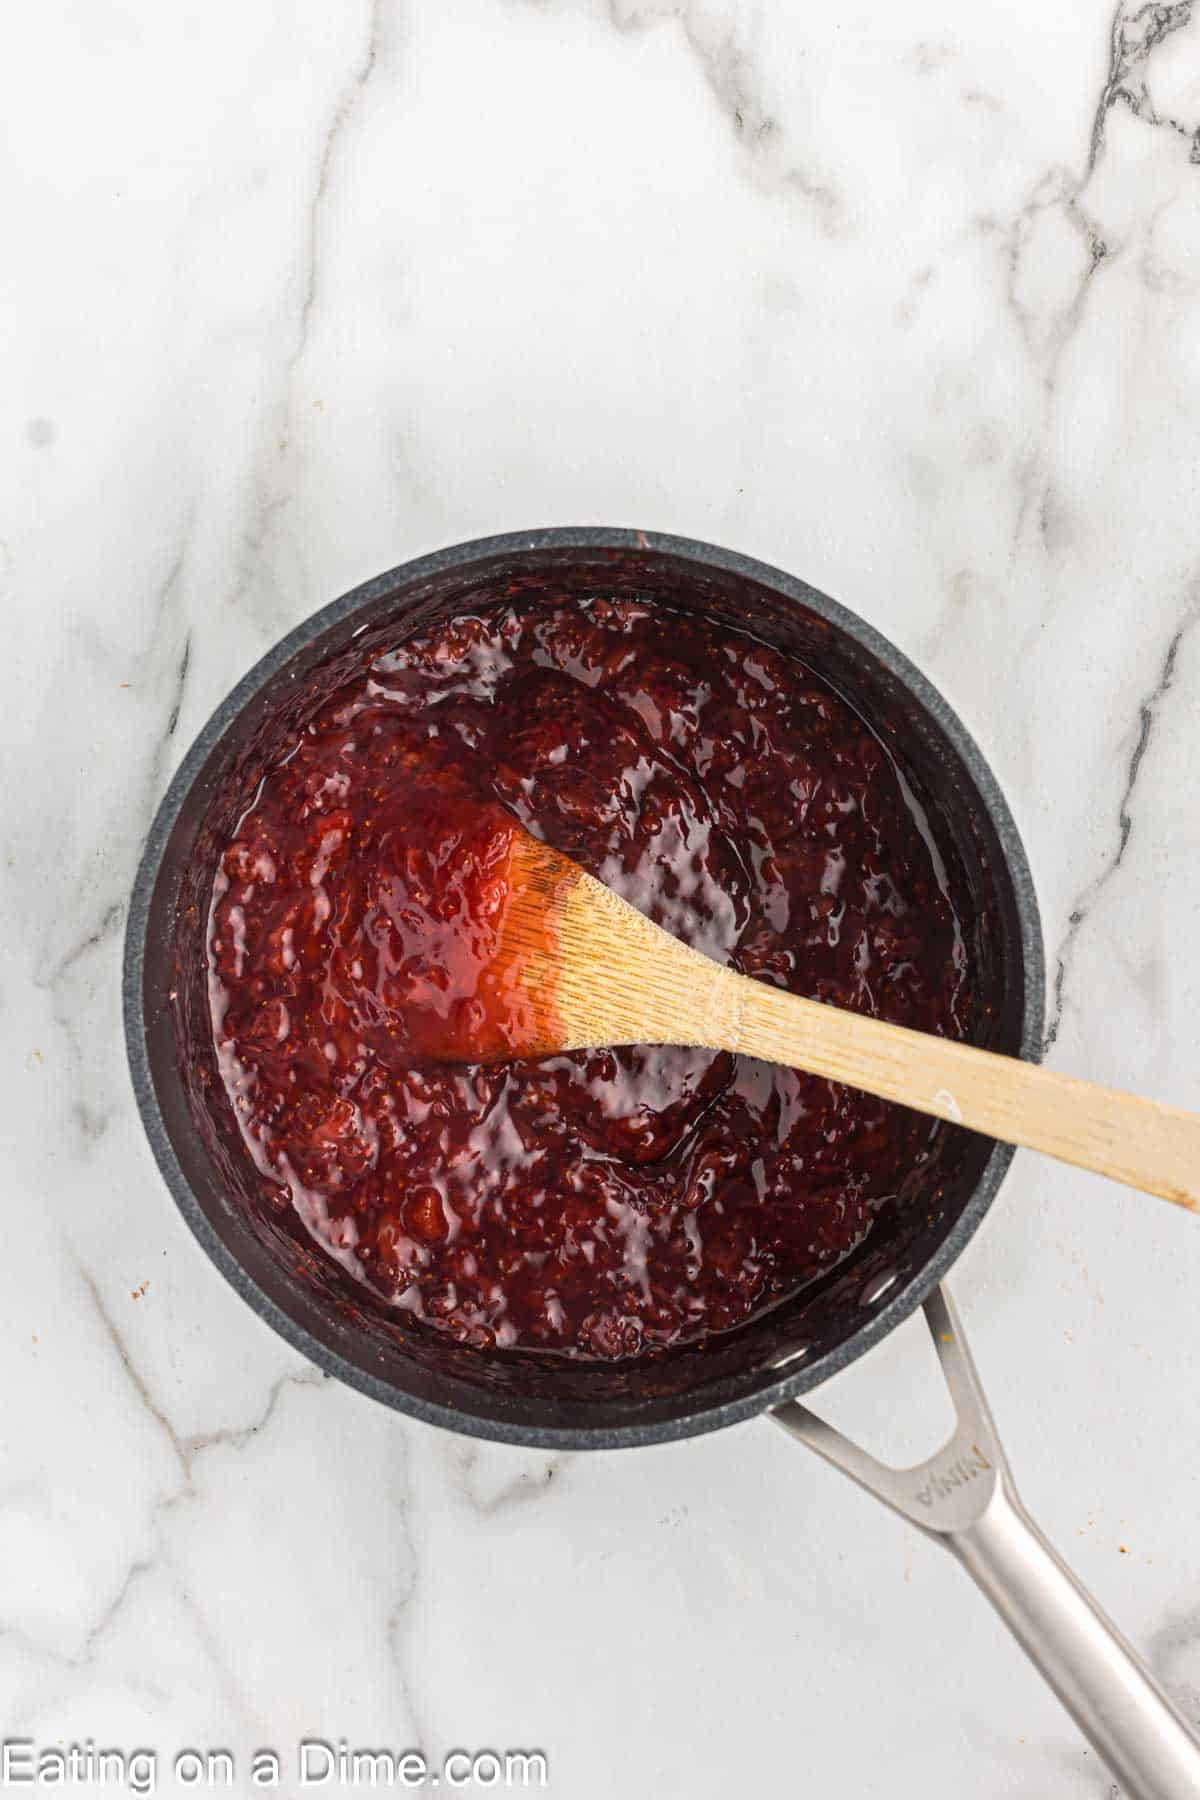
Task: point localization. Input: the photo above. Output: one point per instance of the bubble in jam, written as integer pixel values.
(601, 1203)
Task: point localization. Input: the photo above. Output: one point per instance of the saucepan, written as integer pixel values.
(964, 1496)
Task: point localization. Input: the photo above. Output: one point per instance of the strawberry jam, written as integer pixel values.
(602, 1203)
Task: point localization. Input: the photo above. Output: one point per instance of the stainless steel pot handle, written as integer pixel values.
(964, 1498)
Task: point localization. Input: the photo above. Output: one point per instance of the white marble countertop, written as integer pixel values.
(904, 299)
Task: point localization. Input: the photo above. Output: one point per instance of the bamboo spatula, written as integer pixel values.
(582, 969)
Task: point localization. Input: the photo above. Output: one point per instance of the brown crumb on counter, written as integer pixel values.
(138, 1293)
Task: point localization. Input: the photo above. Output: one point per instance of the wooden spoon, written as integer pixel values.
(581, 968)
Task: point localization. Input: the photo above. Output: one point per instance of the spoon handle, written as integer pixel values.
(1140, 1142)
(964, 1497)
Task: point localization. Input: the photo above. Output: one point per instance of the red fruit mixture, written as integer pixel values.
(601, 1203)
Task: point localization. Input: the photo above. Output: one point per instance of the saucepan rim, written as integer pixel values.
(700, 1417)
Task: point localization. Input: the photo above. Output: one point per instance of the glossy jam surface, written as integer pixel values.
(601, 1203)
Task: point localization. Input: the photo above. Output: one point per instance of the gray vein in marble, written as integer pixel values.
(271, 496)
(400, 1619)
(235, 1437)
(88, 1654)
(523, 1488)
(170, 644)
(736, 86)
(347, 100)
(106, 867)
(105, 928)
(1055, 191)
(1176, 1643)
(1149, 710)
(187, 1449)
(191, 1449)
(104, 1624)
(398, 1625)
(20, 1640)
(181, 672)
(1157, 274)
(133, 1374)
(237, 1703)
(1133, 37)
